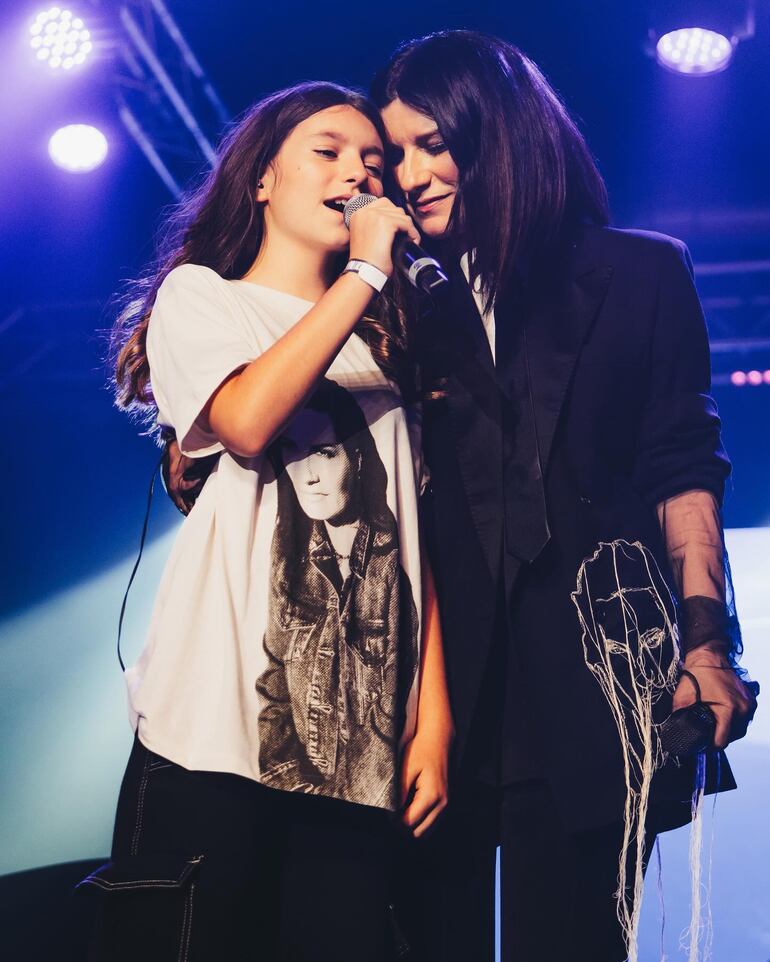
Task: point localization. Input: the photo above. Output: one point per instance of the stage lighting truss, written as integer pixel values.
(736, 301)
(60, 39)
(697, 38)
(165, 100)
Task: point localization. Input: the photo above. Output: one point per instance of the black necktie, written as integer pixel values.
(526, 521)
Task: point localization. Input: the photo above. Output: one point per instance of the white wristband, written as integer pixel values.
(372, 275)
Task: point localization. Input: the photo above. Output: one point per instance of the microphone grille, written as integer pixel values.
(356, 203)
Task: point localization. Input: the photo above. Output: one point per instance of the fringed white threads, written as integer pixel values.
(631, 646)
(709, 877)
(661, 900)
(700, 930)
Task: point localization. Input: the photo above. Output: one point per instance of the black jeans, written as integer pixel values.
(215, 867)
(556, 890)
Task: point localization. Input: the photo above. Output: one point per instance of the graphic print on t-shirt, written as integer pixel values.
(341, 638)
(284, 640)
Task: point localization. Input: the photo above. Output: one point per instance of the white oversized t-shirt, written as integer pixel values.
(270, 653)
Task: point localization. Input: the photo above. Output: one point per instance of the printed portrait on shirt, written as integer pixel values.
(341, 637)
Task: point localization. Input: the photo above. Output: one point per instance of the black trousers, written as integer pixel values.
(556, 890)
(214, 867)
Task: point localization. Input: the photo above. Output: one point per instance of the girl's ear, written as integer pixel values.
(265, 185)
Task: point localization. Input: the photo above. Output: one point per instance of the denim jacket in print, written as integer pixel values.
(341, 660)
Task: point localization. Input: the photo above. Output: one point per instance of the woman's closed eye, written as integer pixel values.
(326, 450)
(396, 154)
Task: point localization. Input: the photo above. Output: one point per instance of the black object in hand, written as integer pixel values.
(688, 731)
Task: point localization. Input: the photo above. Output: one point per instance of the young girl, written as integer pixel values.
(282, 683)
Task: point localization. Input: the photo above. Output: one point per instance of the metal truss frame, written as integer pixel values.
(164, 98)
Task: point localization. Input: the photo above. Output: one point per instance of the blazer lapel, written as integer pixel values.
(473, 406)
(556, 329)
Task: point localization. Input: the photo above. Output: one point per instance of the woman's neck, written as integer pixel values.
(288, 266)
(341, 537)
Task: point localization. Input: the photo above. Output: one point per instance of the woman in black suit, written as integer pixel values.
(573, 512)
(577, 474)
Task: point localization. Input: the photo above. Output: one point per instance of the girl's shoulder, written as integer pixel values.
(193, 302)
(192, 277)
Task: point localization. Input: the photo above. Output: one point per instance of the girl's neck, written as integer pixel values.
(291, 267)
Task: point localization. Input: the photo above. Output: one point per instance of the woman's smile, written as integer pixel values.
(428, 205)
(422, 165)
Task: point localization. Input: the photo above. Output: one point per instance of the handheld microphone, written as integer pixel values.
(423, 271)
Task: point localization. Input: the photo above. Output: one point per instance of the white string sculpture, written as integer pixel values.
(631, 646)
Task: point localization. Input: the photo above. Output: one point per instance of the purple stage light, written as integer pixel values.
(751, 378)
(78, 148)
(60, 39)
(694, 51)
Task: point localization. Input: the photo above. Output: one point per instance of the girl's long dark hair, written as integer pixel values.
(220, 225)
(526, 173)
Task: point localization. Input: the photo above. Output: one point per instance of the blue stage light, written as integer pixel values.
(694, 50)
(78, 148)
(60, 39)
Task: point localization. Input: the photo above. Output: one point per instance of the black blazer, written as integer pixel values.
(618, 368)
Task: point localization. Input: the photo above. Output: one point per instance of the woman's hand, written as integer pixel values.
(424, 779)
(374, 228)
(722, 690)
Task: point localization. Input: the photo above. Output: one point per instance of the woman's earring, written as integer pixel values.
(261, 185)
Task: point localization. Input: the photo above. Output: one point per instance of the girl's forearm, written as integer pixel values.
(434, 716)
(252, 406)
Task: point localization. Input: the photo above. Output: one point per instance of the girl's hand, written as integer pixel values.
(374, 228)
(424, 780)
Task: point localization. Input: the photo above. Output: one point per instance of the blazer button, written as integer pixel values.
(584, 500)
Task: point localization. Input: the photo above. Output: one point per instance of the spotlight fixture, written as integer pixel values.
(694, 50)
(698, 37)
(60, 39)
(78, 148)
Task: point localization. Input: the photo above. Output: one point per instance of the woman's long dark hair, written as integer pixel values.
(220, 225)
(526, 173)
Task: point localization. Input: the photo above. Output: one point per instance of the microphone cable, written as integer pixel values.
(142, 540)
